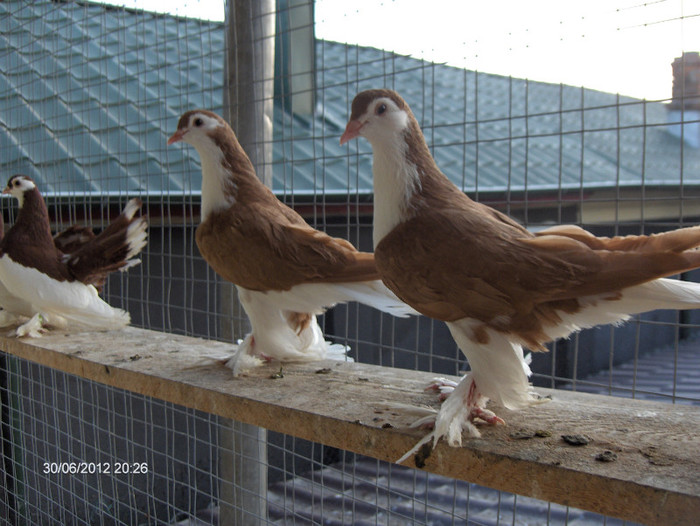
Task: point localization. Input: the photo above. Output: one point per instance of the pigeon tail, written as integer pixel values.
(377, 295)
(317, 297)
(136, 231)
(617, 308)
(72, 238)
(111, 250)
(106, 320)
(660, 294)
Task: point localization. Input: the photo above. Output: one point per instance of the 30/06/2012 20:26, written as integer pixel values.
(90, 468)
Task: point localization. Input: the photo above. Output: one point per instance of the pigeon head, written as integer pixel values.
(378, 115)
(197, 128)
(225, 165)
(18, 185)
(402, 165)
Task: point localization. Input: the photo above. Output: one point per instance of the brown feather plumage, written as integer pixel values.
(498, 286)
(72, 238)
(76, 254)
(97, 257)
(30, 239)
(282, 250)
(279, 253)
(493, 270)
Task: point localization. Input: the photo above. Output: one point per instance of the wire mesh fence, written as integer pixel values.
(89, 94)
(77, 452)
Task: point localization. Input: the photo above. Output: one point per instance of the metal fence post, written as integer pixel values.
(248, 106)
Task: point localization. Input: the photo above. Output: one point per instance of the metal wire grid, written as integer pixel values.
(174, 291)
(84, 453)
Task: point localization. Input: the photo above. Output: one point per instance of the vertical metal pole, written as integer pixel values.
(249, 82)
(248, 106)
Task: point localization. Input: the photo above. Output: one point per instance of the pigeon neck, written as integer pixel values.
(227, 174)
(218, 188)
(396, 180)
(33, 218)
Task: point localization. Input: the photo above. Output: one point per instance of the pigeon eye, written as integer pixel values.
(381, 109)
(198, 122)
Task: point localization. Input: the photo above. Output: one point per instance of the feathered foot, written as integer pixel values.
(475, 405)
(34, 328)
(475, 401)
(245, 357)
(461, 408)
(7, 318)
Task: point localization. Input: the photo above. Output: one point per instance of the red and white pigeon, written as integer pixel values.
(498, 286)
(14, 309)
(41, 281)
(286, 272)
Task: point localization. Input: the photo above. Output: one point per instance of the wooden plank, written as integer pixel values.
(655, 478)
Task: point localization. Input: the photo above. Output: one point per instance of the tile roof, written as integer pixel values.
(90, 94)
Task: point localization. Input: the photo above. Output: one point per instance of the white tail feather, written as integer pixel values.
(130, 263)
(316, 297)
(377, 295)
(132, 207)
(658, 294)
(136, 236)
(661, 294)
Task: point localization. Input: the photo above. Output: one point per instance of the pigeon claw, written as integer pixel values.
(265, 358)
(442, 386)
(487, 416)
(475, 404)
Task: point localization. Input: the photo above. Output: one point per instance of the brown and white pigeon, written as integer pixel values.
(55, 287)
(286, 272)
(499, 287)
(14, 309)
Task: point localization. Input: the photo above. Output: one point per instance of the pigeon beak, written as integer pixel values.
(352, 130)
(176, 137)
(6, 190)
